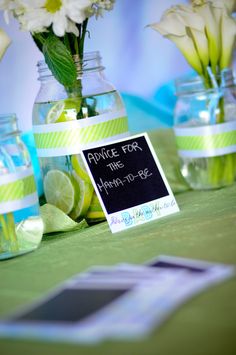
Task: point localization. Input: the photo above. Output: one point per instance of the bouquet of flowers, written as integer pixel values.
(58, 28)
(205, 34)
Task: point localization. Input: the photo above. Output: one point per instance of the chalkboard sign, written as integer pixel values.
(127, 177)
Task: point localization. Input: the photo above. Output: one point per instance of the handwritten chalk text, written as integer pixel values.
(106, 185)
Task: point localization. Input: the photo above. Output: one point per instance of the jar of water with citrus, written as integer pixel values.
(21, 227)
(67, 120)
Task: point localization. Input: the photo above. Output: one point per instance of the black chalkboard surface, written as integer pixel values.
(126, 174)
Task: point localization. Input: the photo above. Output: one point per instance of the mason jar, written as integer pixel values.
(67, 120)
(205, 130)
(21, 227)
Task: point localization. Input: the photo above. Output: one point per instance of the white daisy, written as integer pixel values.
(9, 7)
(62, 15)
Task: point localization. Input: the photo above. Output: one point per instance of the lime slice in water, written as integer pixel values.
(59, 190)
(84, 192)
(55, 112)
(95, 212)
(79, 167)
(95, 215)
(63, 111)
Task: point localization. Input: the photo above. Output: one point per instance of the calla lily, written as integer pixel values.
(228, 4)
(220, 27)
(171, 26)
(186, 46)
(228, 33)
(212, 31)
(222, 11)
(4, 42)
(195, 26)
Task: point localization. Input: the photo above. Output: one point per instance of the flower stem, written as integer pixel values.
(4, 227)
(76, 46)
(228, 171)
(67, 41)
(9, 237)
(12, 232)
(214, 170)
(221, 168)
(221, 116)
(82, 38)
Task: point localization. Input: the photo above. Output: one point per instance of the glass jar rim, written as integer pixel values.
(192, 83)
(84, 65)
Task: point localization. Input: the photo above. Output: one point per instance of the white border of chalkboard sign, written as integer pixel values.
(151, 210)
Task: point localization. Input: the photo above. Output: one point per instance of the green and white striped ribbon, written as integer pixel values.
(66, 138)
(206, 141)
(17, 191)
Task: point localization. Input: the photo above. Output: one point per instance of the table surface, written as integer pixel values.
(205, 228)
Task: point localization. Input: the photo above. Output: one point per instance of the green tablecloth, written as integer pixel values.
(205, 229)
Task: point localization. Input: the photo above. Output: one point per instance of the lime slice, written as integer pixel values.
(59, 190)
(95, 212)
(55, 112)
(54, 220)
(95, 203)
(64, 111)
(79, 167)
(95, 215)
(84, 192)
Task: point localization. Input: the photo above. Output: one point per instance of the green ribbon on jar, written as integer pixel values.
(17, 191)
(206, 141)
(67, 138)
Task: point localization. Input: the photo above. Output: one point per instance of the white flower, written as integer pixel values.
(62, 15)
(221, 29)
(228, 34)
(9, 7)
(172, 27)
(195, 26)
(6, 4)
(230, 5)
(220, 3)
(212, 30)
(4, 42)
(227, 27)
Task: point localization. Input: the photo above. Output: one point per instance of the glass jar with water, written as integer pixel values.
(67, 120)
(21, 227)
(205, 129)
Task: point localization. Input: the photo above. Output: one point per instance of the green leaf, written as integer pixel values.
(39, 39)
(59, 61)
(55, 220)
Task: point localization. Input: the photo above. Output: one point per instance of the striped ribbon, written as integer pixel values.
(17, 190)
(65, 138)
(206, 141)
